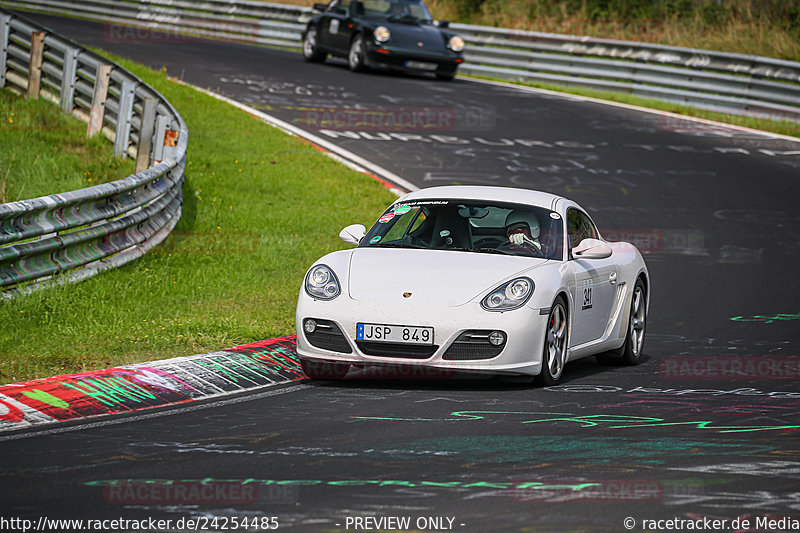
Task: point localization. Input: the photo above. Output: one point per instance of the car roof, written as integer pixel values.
(477, 192)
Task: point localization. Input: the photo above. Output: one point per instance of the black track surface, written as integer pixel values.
(717, 212)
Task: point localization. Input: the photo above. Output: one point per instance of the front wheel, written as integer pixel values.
(355, 59)
(555, 344)
(324, 369)
(311, 51)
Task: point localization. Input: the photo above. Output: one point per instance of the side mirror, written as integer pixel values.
(592, 249)
(320, 7)
(443, 24)
(353, 234)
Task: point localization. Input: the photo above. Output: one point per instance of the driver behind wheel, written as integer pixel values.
(395, 8)
(523, 229)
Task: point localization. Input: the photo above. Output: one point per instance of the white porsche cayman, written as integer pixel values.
(473, 279)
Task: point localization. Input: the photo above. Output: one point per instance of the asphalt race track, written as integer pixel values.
(706, 428)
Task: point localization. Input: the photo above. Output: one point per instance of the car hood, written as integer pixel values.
(435, 277)
(410, 35)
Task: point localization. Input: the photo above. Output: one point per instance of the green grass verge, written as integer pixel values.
(783, 127)
(44, 151)
(259, 208)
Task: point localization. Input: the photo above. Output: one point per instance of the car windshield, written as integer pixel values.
(475, 226)
(393, 10)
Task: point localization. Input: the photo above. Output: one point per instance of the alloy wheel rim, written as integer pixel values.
(310, 43)
(556, 339)
(637, 322)
(355, 53)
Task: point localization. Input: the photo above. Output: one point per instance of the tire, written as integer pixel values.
(631, 351)
(355, 57)
(556, 342)
(324, 369)
(446, 76)
(311, 52)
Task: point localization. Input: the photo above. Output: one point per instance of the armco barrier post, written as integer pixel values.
(170, 143)
(35, 65)
(146, 135)
(5, 33)
(124, 117)
(68, 78)
(102, 78)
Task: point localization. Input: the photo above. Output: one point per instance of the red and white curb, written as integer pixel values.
(125, 389)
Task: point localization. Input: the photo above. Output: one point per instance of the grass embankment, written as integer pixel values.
(259, 208)
(768, 28)
(43, 151)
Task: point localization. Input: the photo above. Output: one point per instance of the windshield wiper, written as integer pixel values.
(402, 18)
(489, 251)
(395, 245)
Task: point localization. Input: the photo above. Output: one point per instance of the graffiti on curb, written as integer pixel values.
(147, 385)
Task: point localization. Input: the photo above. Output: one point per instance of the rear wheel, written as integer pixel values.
(311, 51)
(324, 369)
(634, 340)
(448, 76)
(355, 59)
(631, 351)
(555, 344)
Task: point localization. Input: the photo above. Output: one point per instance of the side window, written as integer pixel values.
(401, 225)
(421, 218)
(337, 7)
(357, 8)
(579, 227)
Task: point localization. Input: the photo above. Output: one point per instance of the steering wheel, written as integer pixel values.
(540, 252)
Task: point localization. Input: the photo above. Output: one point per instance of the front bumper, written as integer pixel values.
(392, 58)
(521, 354)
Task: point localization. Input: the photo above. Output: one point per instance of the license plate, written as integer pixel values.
(421, 65)
(389, 333)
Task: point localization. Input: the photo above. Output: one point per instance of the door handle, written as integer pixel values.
(613, 278)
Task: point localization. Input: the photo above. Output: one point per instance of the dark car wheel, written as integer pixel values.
(555, 344)
(355, 58)
(445, 76)
(324, 369)
(311, 51)
(631, 352)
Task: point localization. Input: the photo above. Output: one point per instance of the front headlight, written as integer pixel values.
(381, 34)
(322, 283)
(456, 44)
(511, 295)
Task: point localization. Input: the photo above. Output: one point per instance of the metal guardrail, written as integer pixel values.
(80, 233)
(731, 83)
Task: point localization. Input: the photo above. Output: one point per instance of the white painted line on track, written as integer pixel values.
(632, 107)
(356, 162)
(124, 418)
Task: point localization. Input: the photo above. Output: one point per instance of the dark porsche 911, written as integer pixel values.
(387, 34)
